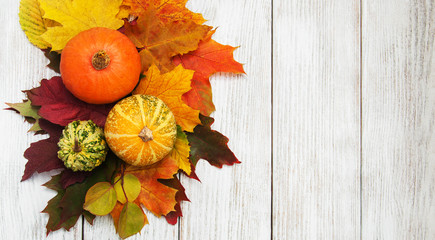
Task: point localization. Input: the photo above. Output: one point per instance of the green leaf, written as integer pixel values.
(100, 199)
(131, 220)
(131, 185)
(53, 210)
(74, 197)
(29, 111)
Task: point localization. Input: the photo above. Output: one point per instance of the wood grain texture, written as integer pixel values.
(235, 202)
(22, 66)
(316, 120)
(398, 173)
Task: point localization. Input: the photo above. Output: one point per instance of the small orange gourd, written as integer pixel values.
(100, 65)
(141, 130)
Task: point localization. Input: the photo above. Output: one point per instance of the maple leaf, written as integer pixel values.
(59, 106)
(160, 41)
(42, 155)
(155, 196)
(210, 145)
(166, 10)
(210, 57)
(180, 153)
(169, 87)
(33, 24)
(77, 16)
(54, 59)
(53, 210)
(200, 97)
(29, 112)
(172, 217)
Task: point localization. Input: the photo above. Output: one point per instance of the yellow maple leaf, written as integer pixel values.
(33, 24)
(76, 16)
(170, 87)
(181, 151)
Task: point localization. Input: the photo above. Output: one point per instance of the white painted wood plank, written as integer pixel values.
(235, 202)
(316, 124)
(398, 119)
(22, 66)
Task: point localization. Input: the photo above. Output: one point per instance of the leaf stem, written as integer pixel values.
(122, 181)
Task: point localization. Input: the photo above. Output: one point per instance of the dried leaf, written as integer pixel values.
(155, 196)
(30, 112)
(161, 41)
(210, 145)
(100, 199)
(166, 10)
(170, 87)
(76, 16)
(59, 106)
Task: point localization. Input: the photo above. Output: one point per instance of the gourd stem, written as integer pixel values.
(100, 60)
(146, 134)
(77, 148)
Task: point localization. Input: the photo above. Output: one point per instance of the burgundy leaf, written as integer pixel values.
(42, 155)
(59, 106)
(209, 145)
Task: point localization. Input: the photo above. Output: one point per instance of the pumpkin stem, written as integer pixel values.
(146, 134)
(100, 60)
(77, 148)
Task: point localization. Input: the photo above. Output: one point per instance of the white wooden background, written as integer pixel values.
(334, 124)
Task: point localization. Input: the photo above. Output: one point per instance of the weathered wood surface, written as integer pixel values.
(349, 147)
(316, 120)
(398, 113)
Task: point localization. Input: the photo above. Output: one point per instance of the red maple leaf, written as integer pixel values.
(172, 217)
(59, 106)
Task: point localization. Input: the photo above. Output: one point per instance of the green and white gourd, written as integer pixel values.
(82, 146)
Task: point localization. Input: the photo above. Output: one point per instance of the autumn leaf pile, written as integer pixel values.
(178, 56)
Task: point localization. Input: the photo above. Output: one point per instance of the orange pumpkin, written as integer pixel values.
(100, 65)
(141, 130)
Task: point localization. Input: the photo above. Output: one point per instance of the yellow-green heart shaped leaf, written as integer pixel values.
(131, 220)
(131, 187)
(100, 199)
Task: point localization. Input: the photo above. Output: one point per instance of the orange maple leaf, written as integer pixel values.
(210, 57)
(160, 41)
(167, 10)
(170, 87)
(155, 196)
